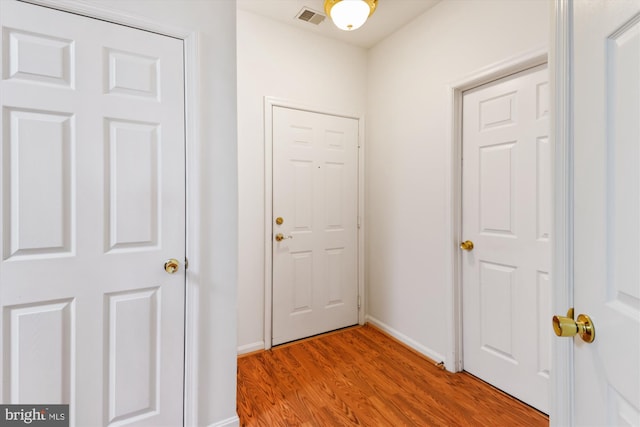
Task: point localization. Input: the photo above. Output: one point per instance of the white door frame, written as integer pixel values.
(192, 191)
(269, 104)
(561, 402)
(453, 185)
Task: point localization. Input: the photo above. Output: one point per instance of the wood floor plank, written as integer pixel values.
(362, 377)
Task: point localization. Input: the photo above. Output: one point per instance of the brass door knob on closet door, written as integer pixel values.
(467, 245)
(566, 326)
(171, 265)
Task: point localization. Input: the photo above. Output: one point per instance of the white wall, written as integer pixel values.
(407, 145)
(282, 61)
(213, 268)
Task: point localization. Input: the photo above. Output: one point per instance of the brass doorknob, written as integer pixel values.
(171, 265)
(280, 237)
(565, 326)
(467, 245)
(279, 220)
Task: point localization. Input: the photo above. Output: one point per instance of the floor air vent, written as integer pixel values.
(311, 16)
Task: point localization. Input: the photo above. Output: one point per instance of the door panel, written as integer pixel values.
(132, 169)
(39, 329)
(506, 213)
(133, 331)
(607, 210)
(93, 197)
(38, 152)
(315, 191)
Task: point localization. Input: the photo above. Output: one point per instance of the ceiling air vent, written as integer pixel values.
(311, 16)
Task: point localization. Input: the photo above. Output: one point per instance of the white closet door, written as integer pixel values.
(507, 215)
(93, 201)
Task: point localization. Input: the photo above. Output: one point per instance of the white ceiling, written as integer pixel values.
(389, 16)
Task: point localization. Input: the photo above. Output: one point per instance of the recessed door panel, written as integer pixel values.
(497, 187)
(302, 281)
(335, 139)
(335, 276)
(39, 188)
(132, 74)
(624, 174)
(543, 188)
(496, 316)
(133, 354)
(38, 58)
(334, 195)
(133, 184)
(40, 348)
(497, 111)
(303, 200)
(543, 313)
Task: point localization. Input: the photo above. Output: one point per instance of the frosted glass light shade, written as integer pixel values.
(350, 15)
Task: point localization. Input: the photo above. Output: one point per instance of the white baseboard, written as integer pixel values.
(248, 348)
(229, 422)
(433, 355)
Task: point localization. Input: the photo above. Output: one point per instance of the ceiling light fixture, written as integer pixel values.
(349, 15)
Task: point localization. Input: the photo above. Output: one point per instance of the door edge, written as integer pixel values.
(561, 79)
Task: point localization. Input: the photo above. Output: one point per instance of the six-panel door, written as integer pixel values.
(507, 214)
(93, 185)
(315, 192)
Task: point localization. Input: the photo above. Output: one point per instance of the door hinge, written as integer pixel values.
(358, 222)
(359, 302)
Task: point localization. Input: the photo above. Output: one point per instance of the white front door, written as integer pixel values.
(607, 210)
(315, 193)
(506, 213)
(93, 203)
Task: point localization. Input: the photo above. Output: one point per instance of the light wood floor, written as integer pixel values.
(360, 376)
